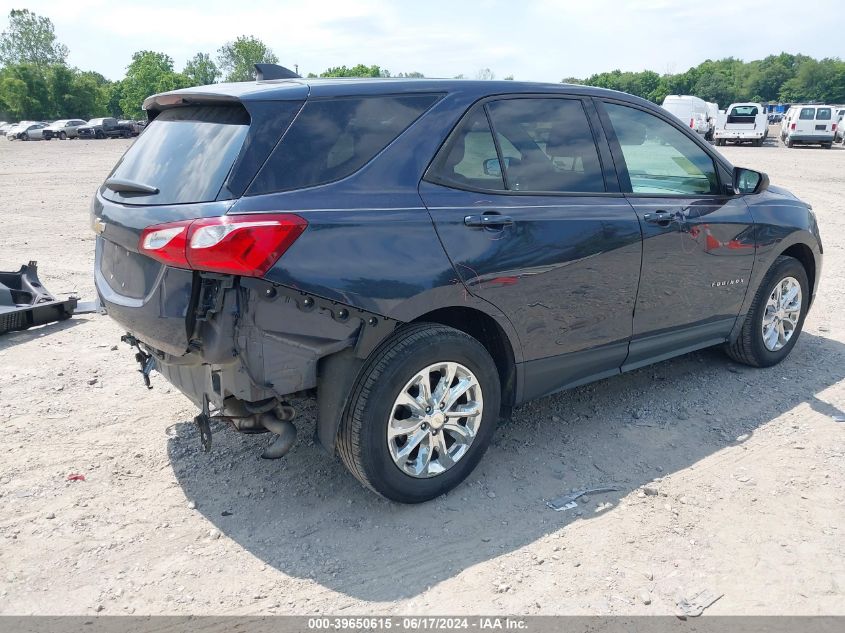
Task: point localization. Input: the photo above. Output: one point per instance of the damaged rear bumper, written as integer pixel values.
(251, 340)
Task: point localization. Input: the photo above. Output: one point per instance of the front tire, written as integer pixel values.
(402, 434)
(776, 317)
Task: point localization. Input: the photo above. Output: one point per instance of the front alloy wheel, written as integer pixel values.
(782, 313)
(435, 419)
(776, 316)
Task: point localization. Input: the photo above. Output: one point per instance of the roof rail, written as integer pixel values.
(264, 72)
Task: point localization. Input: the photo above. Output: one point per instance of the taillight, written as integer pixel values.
(245, 245)
(792, 127)
(833, 127)
(692, 123)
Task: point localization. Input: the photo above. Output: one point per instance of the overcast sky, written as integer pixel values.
(540, 40)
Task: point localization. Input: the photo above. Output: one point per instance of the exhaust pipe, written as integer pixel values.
(282, 427)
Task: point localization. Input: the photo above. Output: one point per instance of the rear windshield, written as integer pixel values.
(807, 114)
(186, 153)
(744, 111)
(823, 114)
(333, 138)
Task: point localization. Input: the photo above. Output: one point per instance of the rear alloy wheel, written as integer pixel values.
(776, 316)
(62, 136)
(422, 413)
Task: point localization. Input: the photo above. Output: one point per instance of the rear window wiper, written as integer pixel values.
(129, 186)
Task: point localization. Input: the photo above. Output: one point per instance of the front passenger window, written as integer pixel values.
(660, 158)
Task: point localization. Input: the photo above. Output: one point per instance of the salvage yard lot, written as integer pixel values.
(748, 466)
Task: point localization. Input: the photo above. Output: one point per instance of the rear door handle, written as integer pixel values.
(663, 218)
(491, 220)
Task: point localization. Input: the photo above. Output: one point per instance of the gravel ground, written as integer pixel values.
(731, 478)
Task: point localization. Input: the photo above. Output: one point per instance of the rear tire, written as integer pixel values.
(827, 145)
(367, 440)
(790, 143)
(750, 347)
(62, 136)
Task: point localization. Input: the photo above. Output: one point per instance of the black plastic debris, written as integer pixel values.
(25, 302)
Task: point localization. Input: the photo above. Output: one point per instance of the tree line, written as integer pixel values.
(783, 78)
(36, 82)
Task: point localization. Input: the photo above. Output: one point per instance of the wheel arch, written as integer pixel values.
(487, 331)
(804, 254)
(338, 373)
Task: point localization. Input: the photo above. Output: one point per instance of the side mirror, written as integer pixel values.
(492, 167)
(749, 181)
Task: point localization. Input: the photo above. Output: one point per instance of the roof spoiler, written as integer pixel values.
(264, 72)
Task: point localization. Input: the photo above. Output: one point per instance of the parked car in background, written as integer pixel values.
(712, 118)
(809, 125)
(420, 256)
(14, 129)
(106, 127)
(63, 129)
(30, 131)
(132, 125)
(744, 122)
(839, 135)
(4, 125)
(692, 112)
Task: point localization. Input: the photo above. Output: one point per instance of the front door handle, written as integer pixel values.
(663, 218)
(488, 220)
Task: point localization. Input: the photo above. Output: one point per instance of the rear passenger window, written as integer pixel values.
(807, 114)
(333, 138)
(823, 114)
(660, 158)
(547, 146)
(469, 160)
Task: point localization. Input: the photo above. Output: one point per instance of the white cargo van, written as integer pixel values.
(692, 112)
(743, 122)
(809, 125)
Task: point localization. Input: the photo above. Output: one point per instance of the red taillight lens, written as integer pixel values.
(245, 245)
(833, 127)
(692, 122)
(792, 127)
(166, 243)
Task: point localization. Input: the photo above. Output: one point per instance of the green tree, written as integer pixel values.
(485, 74)
(24, 91)
(201, 70)
(113, 99)
(237, 59)
(149, 73)
(30, 39)
(360, 70)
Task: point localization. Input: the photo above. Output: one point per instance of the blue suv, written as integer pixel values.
(421, 256)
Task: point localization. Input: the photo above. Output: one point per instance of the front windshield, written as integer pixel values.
(95, 122)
